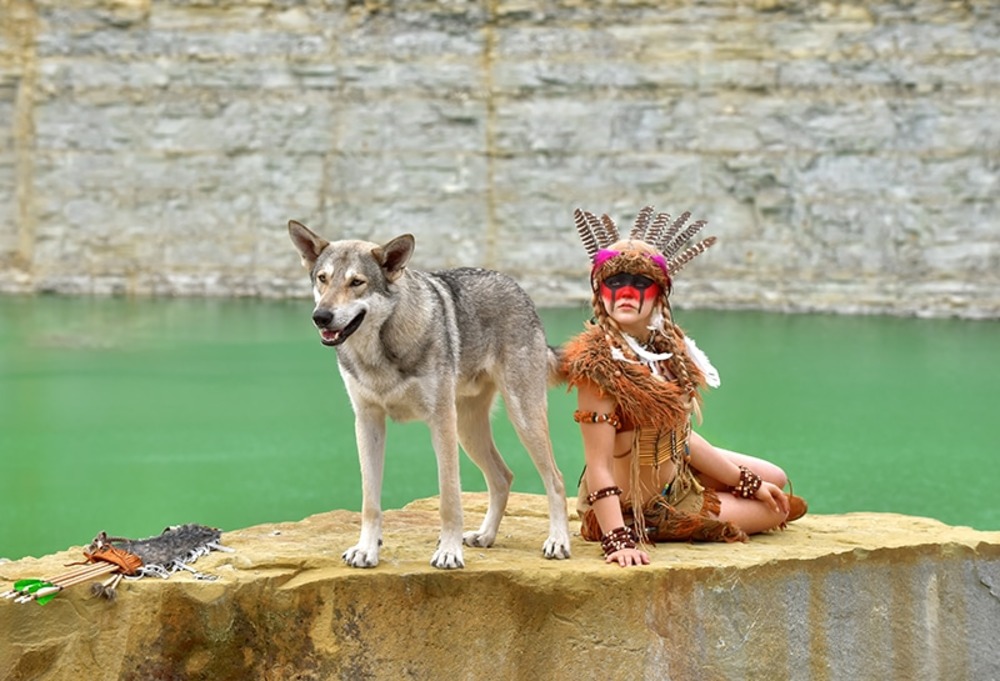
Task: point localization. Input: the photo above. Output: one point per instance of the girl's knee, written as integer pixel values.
(771, 473)
(780, 478)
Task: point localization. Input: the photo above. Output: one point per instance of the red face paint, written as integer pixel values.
(628, 287)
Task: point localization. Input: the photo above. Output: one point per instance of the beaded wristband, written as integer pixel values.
(603, 492)
(748, 485)
(618, 539)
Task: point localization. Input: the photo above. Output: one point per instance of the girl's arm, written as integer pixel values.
(765, 469)
(713, 463)
(599, 449)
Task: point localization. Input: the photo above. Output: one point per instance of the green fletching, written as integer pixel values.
(32, 585)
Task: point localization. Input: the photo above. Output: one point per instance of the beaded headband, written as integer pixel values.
(654, 247)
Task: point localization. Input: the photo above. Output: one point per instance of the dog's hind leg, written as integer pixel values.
(527, 411)
(369, 429)
(444, 436)
(476, 436)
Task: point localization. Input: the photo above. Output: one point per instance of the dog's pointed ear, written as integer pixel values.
(393, 256)
(308, 243)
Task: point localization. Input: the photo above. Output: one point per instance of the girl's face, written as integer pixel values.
(629, 299)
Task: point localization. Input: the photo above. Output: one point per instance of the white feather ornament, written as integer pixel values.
(701, 361)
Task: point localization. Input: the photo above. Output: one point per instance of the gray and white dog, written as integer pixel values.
(435, 347)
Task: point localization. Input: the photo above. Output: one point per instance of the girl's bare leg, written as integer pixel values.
(749, 514)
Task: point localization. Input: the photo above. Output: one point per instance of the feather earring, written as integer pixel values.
(656, 320)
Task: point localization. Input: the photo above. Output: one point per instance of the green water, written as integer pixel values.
(131, 415)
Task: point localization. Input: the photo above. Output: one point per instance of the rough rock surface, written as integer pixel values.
(845, 153)
(853, 596)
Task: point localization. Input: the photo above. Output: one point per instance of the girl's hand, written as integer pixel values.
(772, 495)
(627, 557)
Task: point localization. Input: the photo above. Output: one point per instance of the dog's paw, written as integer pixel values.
(447, 560)
(556, 548)
(359, 557)
(478, 539)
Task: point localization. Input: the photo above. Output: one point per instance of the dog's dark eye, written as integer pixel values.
(321, 278)
(357, 282)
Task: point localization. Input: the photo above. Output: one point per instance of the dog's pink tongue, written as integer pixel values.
(330, 335)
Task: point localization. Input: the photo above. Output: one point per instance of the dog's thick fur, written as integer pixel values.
(435, 347)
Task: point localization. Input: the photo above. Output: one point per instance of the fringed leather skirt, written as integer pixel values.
(666, 523)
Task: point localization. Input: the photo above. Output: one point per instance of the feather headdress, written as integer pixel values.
(655, 246)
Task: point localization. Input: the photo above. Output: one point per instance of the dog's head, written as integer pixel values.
(349, 278)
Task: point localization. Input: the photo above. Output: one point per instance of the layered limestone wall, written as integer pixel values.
(857, 596)
(845, 152)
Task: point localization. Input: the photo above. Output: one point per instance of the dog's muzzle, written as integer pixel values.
(332, 336)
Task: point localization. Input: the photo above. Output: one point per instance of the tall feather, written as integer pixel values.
(586, 234)
(672, 231)
(653, 235)
(597, 227)
(610, 228)
(641, 226)
(677, 263)
(670, 249)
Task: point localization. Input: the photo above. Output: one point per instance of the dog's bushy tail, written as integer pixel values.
(556, 375)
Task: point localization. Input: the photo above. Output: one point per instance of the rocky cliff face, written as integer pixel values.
(833, 597)
(844, 153)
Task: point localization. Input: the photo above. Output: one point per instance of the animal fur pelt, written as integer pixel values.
(172, 550)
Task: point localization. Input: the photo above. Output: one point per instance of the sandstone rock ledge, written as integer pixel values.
(857, 596)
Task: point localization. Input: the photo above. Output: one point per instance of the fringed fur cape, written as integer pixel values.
(643, 399)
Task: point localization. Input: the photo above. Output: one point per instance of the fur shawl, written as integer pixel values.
(642, 398)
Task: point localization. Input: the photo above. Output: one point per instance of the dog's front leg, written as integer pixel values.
(444, 436)
(369, 430)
